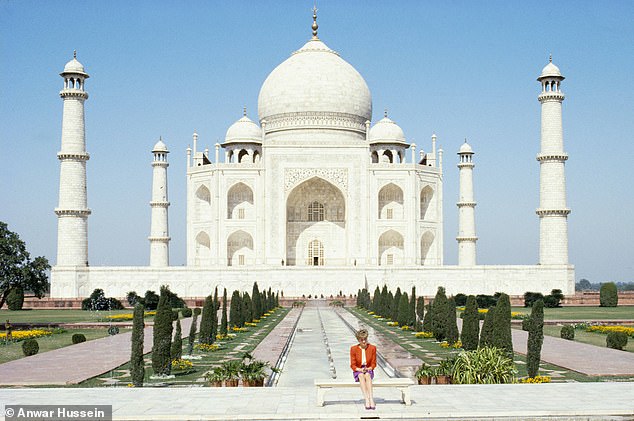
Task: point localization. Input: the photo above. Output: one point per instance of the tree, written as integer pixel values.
(486, 334)
(583, 285)
(15, 299)
(452, 326)
(402, 315)
(439, 315)
(235, 310)
(396, 301)
(162, 339)
(502, 337)
(411, 316)
(427, 323)
(247, 314)
(470, 325)
(384, 307)
(256, 302)
(608, 295)
(535, 338)
(192, 332)
(17, 270)
(223, 320)
(420, 312)
(214, 317)
(376, 300)
(176, 351)
(137, 369)
(206, 320)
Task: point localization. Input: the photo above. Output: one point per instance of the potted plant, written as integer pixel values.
(444, 371)
(216, 377)
(232, 372)
(424, 374)
(253, 372)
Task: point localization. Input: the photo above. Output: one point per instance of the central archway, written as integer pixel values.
(315, 214)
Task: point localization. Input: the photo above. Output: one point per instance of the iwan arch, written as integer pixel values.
(313, 198)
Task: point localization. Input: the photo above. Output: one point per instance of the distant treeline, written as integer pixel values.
(585, 285)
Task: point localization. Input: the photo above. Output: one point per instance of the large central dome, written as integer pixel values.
(314, 87)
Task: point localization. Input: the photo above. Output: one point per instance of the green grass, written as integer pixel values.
(233, 349)
(13, 351)
(57, 316)
(427, 346)
(593, 338)
(584, 313)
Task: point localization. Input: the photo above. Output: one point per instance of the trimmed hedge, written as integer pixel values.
(186, 312)
(616, 340)
(608, 296)
(15, 299)
(30, 347)
(78, 338)
(567, 332)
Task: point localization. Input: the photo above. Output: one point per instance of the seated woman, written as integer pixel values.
(363, 363)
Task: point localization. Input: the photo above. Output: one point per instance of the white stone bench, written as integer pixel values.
(402, 384)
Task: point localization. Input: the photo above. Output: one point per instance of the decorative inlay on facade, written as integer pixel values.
(316, 119)
(552, 212)
(74, 94)
(72, 212)
(337, 176)
(551, 96)
(552, 157)
(74, 156)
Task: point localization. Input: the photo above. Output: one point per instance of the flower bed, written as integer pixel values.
(423, 334)
(127, 316)
(207, 347)
(607, 329)
(20, 335)
(536, 379)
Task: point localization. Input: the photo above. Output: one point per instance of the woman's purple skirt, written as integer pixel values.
(356, 374)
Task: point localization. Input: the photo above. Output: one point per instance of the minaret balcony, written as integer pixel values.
(541, 157)
(73, 156)
(159, 204)
(72, 212)
(551, 96)
(466, 204)
(73, 93)
(552, 212)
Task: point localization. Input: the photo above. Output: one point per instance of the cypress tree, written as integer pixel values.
(535, 338)
(427, 325)
(359, 298)
(402, 316)
(486, 334)
(205, 322)
(235, 310)
(470, 325)
(162, 335)
(223, 321)
(608, 295)
(376, 299)
(439, 315)
(192, 332)
(420, 312)
(176, 351)
(452, 326)
(247, 306)
(390, 305)
(137, 369)
(270, 303)
(256, 302)
(214, 319)
(502, 325)
(411, 316)
(385, 307)
(396, 301)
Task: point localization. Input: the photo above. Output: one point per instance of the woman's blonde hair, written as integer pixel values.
(362, 334)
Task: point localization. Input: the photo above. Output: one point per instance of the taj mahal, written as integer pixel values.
(312, 197)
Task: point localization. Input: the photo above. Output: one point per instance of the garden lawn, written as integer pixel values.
(57, 316)
(593, 338)
(229, 350)
(425, 348)
(584, 313)
(13, 350)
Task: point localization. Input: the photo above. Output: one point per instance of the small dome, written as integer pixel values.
(160, 147)
(244, 130)
(74, 66)
(550, 70)
(385, 130)
(466, 148)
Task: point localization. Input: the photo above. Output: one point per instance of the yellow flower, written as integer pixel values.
(206, 348)
(392, 323)
(181, 365)
(607, 329)
(536, 379)
(424, 335)
(405, 327)
(19, 335)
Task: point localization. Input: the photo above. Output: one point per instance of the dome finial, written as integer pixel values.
(74, 53)
(385, 113)
(315, 26)
(550, 58)
(244, 111)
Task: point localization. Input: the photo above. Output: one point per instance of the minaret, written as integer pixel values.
(159, 231)
(553, 212)
(72, 210)
(466, 209)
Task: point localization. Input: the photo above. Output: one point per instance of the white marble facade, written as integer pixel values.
(314, 198)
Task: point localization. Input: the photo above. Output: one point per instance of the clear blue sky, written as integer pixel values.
(462, 69)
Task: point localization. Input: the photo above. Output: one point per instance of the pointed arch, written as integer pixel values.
(243, 156)
(256, 157)
(240, 196)
(239, 248)
(426, 195)
(202, 203)
(426, 241)
(374, 157)
(391, 202)
(391, 248)
(202, 250)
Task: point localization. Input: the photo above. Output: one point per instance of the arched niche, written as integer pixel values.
(391, 248)
(426, 195)
(202, 250)
(391, 202)
(426, 241)
(240, 202)
(202, 203)
(240, 249)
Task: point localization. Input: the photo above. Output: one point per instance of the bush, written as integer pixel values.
(526, 324)
(483, 366)
(567, 332)
(186, 312)
(78, 338)
(15, 299)
(176, 350)
(470, 325)
(486, 301)
(616, 340)
(132, 298)
(608, 296)
(197, 311)
(30, 347)
(150, 300)
(206, 320)
(113, 330)
(137, 365)
(551, 302)
(98, 302)
(531, 297)
(162, 335)
(439, 315)
(535, 338)
(502, 325)
(461, 300)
